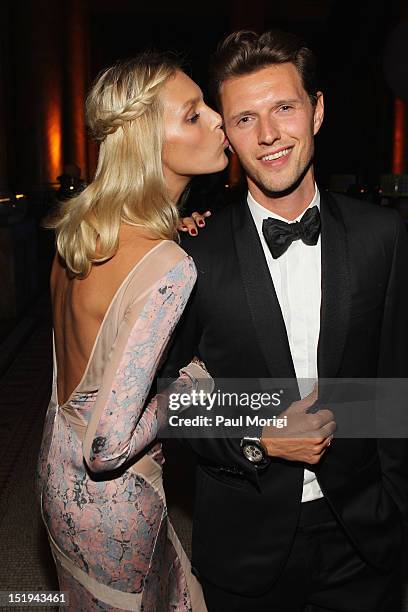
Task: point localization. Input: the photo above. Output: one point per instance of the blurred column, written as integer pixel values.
(37, 76)
(51, 74)
(244, 18)
(76, 62)
(399, 154)
(50, 86)
(400, 149)
(48, 65)
(3, 100)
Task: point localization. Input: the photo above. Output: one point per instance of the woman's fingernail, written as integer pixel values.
(184, 228)
(193, 232)
(200, 223)
(207, 213)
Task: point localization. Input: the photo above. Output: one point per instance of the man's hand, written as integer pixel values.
(306, 436)
(191, 224)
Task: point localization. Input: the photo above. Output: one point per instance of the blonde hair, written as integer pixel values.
(125, 116)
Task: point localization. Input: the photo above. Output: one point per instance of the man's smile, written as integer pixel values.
(277, 158)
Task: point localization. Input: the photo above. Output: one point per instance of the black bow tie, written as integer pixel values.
(279, 235)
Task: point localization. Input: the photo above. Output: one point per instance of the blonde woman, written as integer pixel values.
(119, 285)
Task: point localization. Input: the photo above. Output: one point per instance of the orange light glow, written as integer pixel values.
(54, 138)
(400, 127)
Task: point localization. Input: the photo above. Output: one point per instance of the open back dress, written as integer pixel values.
(100, 466)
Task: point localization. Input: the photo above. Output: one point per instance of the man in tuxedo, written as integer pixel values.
(294, 283)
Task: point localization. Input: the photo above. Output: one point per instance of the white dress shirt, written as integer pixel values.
(296, 276)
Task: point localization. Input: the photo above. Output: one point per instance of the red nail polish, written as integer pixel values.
(193, 232)
(200, 223)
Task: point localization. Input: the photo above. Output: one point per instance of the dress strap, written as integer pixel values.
(54, 394)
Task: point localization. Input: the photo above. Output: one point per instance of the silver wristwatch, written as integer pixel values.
(254, 450)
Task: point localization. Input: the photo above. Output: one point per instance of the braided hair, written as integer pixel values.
(124, 116)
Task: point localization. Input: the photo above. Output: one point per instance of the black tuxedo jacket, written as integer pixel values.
(245, 520)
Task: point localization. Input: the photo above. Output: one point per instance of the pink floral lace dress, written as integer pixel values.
(100, 466)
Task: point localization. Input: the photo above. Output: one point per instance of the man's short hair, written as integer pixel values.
(244, 52)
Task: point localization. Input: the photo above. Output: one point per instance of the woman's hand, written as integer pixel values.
(199, 376)
(200, 363)
(191, 224)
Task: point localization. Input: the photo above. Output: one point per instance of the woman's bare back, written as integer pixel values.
(79, 306)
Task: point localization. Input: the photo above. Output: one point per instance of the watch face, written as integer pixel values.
(253, 453)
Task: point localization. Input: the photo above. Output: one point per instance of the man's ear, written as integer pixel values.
(318, 113)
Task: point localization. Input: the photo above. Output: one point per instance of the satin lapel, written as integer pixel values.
(261, 296)
(335, 306)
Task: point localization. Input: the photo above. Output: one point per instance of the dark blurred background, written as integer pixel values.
(51, 51)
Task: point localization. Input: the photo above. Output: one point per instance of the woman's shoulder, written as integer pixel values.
(173, 250)
(163, 257)
(165, 262)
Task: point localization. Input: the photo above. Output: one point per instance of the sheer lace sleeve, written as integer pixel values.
(121, 426)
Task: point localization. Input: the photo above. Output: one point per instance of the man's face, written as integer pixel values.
(270, 123)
